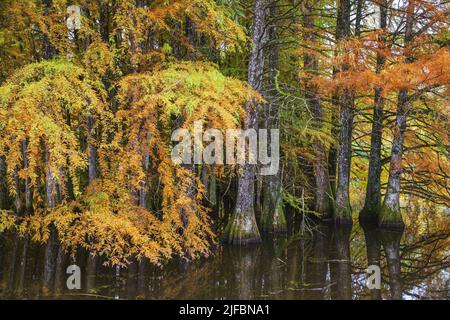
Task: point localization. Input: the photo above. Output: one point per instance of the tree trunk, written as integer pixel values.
(92, 151)
(343, 213)
(272, 212)
(49, 51)
(390, 212)
(332, 153)
(242, 228)
(92, 260)
(4, 196)
(373, 192)
(390, 215)
(51, 247)
(60, 269)
(322, 201)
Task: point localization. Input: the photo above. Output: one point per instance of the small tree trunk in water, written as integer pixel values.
(343, 213)
(373, 192)
(390, 212)
(322, 204)
(272, 213)
(92, 151)
(332, 153)
(52, 245)
(92, 261)
(390, 215)
(242, 227)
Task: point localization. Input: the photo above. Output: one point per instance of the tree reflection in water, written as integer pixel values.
(328, 263)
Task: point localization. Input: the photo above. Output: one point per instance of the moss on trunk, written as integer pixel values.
(273, 220)
(343, 215)
(242, 229)
(272, 212)
(390, 218)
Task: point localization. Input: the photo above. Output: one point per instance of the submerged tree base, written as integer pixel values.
(242, 229)
(369, 215)
(343, 216)
(390, 219)
(274, 222)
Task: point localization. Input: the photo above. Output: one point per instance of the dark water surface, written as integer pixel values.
(326, 263)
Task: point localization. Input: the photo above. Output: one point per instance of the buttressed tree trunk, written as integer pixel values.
(390, 215)
(242, 227)
(343, 212)
(373, 192)
(272, 213)
(322, 203)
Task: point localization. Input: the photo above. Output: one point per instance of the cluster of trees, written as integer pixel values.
(359, 90)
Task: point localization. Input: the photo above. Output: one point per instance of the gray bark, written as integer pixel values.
(92, 261)
(4, 197)
(343, 210)
(92, 151)
(272, 213)
(322, 203)
(242, 226)
(390, 212)
(51, 247)
(373, 192)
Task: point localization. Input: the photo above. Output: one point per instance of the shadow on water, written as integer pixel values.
(327, 263)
